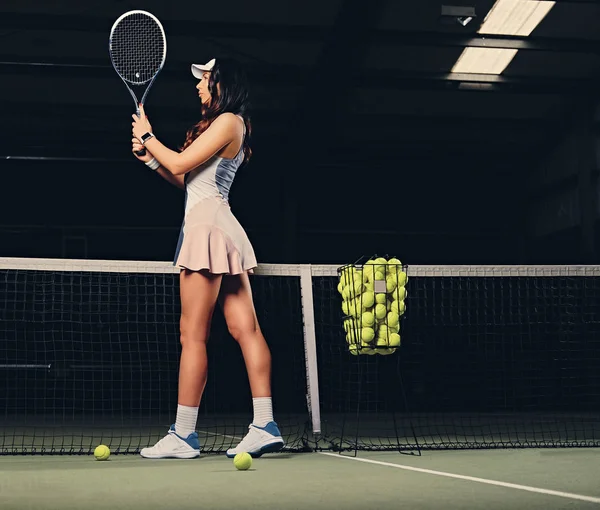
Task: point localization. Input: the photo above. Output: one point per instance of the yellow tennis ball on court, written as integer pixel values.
(102, 452)
(242, 461)
(380, 311)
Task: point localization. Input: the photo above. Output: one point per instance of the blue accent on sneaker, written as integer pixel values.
(270, 448)
(270, 428)
(273, 447)
(191, 440)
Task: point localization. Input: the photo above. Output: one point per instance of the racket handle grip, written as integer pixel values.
(143, 151)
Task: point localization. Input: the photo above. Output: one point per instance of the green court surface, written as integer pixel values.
(489, 479)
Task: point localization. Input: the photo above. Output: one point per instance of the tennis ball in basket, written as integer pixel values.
(368, 300)
(383, 333)
(102, 452)
(402, 279)
(380, 298)
(394, 262)
(398, 307)
(367, 334)
(340, 288)
(391, 283)
(379, 275)
(352, 333)
(368, 271)
(242, 461)
(380, 264)
(380, 311)
(349, 291)
(345, 308)
(355, 309)
(399, 294)
(382, 342)
(368, 319)
(392, 319)
(394, 340)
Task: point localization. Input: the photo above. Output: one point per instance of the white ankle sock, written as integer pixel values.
(263, 411)
(185, 423)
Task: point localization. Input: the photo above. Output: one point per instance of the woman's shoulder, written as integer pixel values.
(228, 117)
(228, 121)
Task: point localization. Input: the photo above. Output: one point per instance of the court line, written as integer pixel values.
(548, 492)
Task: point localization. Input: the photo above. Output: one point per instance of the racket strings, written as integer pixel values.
(137, 48)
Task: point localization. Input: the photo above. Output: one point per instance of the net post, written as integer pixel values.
(310, 347)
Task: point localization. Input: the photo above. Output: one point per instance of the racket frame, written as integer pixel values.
(148, 82)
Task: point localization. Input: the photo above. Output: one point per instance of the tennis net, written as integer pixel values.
(491, 357)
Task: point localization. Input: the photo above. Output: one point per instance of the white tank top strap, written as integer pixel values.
(243, 124)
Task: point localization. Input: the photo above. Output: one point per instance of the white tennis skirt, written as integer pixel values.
(212, 238)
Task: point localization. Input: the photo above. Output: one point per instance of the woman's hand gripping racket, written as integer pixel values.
(138, 50)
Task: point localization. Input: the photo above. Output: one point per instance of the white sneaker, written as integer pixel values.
(174, 447)
(259, 440)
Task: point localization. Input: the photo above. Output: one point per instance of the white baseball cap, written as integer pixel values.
(199, 69)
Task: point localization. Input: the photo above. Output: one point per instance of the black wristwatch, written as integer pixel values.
(146, 137)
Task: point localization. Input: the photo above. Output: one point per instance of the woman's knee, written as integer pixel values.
(241, 330)
(192, 332)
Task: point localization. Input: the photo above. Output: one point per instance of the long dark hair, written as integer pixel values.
(231, 96)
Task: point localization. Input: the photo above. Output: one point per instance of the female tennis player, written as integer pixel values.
(214, 254)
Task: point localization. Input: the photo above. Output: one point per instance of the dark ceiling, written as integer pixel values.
(339, 87)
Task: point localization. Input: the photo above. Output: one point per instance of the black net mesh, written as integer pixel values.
(490, 357)
(92, 357)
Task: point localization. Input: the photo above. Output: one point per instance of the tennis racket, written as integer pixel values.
(138, 50)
